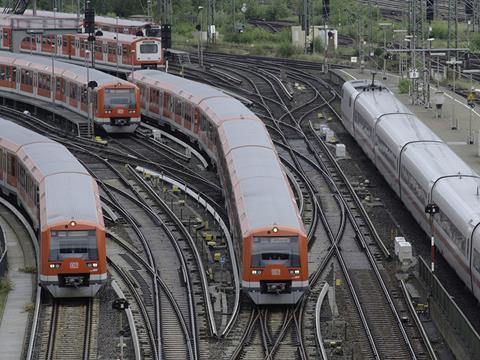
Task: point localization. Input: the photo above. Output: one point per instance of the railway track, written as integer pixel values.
(68, 330)
(360, 257)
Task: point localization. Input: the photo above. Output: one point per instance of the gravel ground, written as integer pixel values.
(108, 337)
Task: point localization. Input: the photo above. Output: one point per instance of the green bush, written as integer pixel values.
(475, 42)
(439, 29)
(286, 49)
(404, 86)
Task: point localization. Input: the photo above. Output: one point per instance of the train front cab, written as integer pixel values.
(73, 260)
(118, 108)
(275, 266)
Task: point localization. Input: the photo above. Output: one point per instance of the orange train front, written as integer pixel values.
(63, 203)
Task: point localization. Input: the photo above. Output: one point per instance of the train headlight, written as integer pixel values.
(275, 229)
(73, 223)
(256, 272)
(92, 265)
(54, 266)
(295, 272)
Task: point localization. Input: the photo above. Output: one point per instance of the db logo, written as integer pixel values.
(276, 272)
(74, 265)
(120, 111)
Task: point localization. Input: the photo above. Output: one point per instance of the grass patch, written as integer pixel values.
(5, 287)
(29, 269)
(403, 86)
(29, 307)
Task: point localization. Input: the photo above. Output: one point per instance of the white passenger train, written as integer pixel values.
(422, 170)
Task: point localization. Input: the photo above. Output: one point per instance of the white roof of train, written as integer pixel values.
(262, 193)
(98, 18)
(67, 191)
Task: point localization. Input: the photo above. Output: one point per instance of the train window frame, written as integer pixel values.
(188, 114)
(11, 165)
(73, 91)
(178, 105)
(476, 260)
(26, 77)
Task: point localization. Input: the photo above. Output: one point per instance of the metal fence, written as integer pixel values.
(454, 319)
(3, 253)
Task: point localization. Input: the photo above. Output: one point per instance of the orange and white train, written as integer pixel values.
(63, 204)
(265, 220)
(114, 103)
(134, 52)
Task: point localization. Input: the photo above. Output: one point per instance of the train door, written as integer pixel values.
(99, 50)
(6, 38)
(111, 58)
(60, 89)
(178, 110)
(11, 170)
(187, 118)
(196, 121)
(126, 58)
(167, 105)
(2, 154)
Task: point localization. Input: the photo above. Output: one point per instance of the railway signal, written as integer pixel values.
(121, 305)
(89, 20)
(432, 209)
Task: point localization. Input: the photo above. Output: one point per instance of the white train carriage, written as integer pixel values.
(422, 169)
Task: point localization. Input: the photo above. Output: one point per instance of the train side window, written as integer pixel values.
(203, 123)
(476, 260)
(211, 134)
(12, 163)
(83, 96)
(188, 114)
(26, 77)
(178, 107)
(73, 91)
(22, 176)
(3, 74)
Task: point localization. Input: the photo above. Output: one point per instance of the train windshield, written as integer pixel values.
(148, 48)
(120, 97)
(80, 244)
(275, 250)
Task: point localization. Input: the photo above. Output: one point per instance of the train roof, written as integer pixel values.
(62, 203)
(192, 90)
(262, 193)
(70, 191)
(404, 128)
(44, 64)
(109, 35)
(214, 102)
(379, 101)
(98, 19)
(435, 160)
